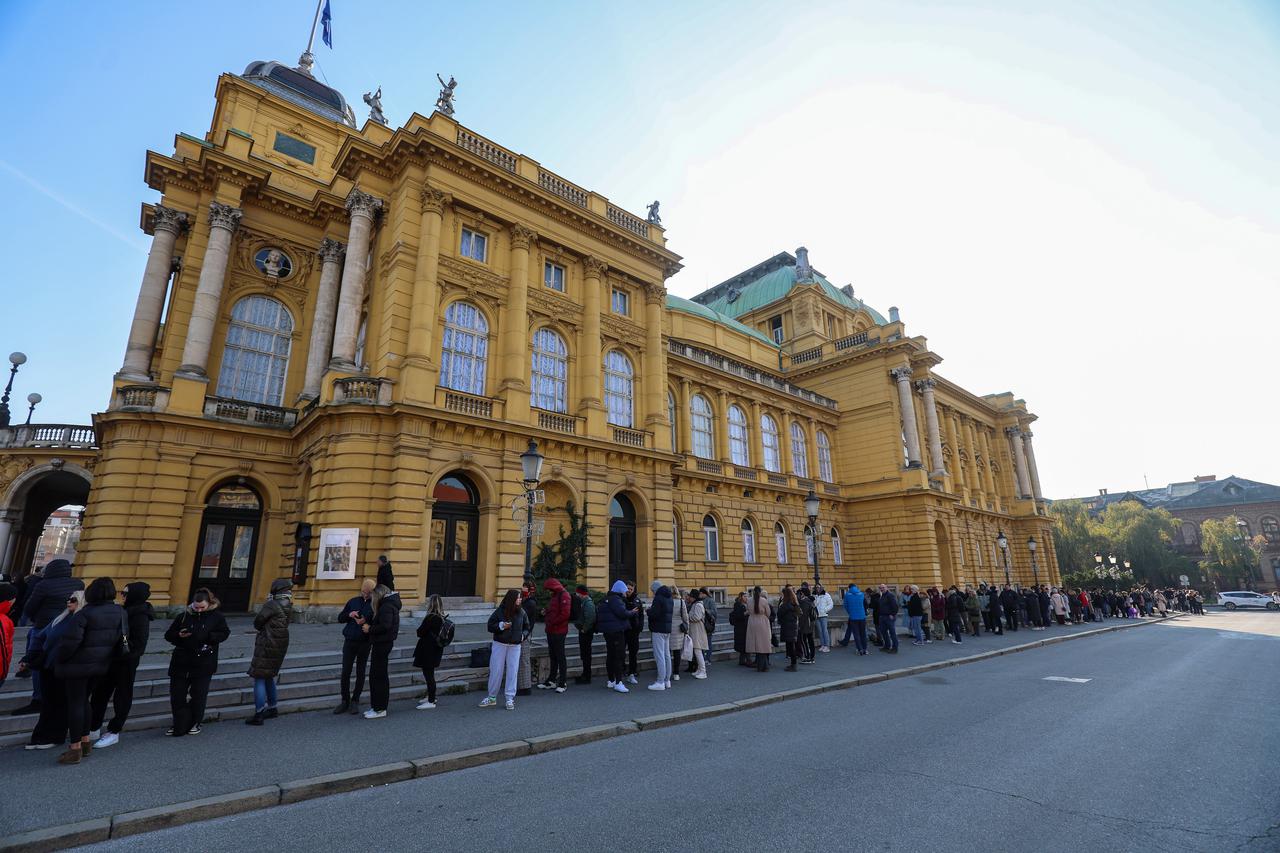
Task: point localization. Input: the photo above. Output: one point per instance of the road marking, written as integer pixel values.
(1069, 680)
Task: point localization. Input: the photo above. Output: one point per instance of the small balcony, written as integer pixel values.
(557, 422)
(141, 398)
(468, 404)
(368, 390)
(632, 437)
(254, 414)
(71, 436)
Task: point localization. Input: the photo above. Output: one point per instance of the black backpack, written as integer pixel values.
(709, 619)
(445, 635)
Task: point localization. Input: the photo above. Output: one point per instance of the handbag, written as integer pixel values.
(122, 644)
(686, 651)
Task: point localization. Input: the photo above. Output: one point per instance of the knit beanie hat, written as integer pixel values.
(655, 586)
(619, 587)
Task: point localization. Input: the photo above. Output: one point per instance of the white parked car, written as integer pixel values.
(1243, 598)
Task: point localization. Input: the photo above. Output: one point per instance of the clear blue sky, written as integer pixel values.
(1078, 201)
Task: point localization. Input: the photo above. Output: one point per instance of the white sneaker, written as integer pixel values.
(95, 734)
(611, 684)
(699, 675)
(561, 689)
(40, 746)
(631, 679)
(657, 685)
(374, 715)
(620, 688)
(511, 705)
(675, 676)
(109, 739)
(667, 685)
(488, 702)
(426, 705)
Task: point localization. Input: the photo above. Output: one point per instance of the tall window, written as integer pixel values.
(553, 276)
(825, 470)
(621, 302)
(474, 245)
(549, 371)
(671, 417)
(780, 541)
(1271, 529)
(617, 389)
(704, 444)
(362, 337)
(748, 541)
(711, 537)
(799, 451)
(464, 349)
(775, 329)
(837, 547)
(739, 449)
(675, 537)
(256, 357)
(770, 444)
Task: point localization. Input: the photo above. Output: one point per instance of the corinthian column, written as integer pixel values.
(902, 375)
(1019, 461)
(655, 373)
(223, 220)
(167, 225)
(1031, 465)
(362, 207)
(515, 326)
(589, 349)
(931, 425)
(420, 363)
(322, 322)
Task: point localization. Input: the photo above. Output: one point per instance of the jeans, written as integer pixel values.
(379, 678)
(188, 692)
(824, 634)
(700, 661)
(889, 632)
(859, 629)
(615, 650)
(116, 688)
(357, 652)
(916, 631)
(559, 662)
(504, 663)
(940, 628)
(661, 656)
(264, 694)
(584, 652)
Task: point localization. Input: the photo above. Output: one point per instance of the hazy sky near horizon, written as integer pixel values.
(1075, 201)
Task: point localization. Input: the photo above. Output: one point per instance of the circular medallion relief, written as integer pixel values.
(273, 262)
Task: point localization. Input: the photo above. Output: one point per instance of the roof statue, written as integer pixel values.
(375, 106)
(653, 213)
(444, 103)
(804, 272)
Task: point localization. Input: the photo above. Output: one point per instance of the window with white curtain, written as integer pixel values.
(256, 357)
(671, 416)
(770, 445)
(711, 536)
(780, 541)
(464, 349)
(799, 451)
(748, 541)
(474, 245)
(549, 371)
(618, 376)
(704, 444)
(837, 548)
(739, 448)
(825, 470)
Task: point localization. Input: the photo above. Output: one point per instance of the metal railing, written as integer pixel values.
(258, 414)
(49, 435)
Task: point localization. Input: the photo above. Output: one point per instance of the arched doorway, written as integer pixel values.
(35, 496)
(622, 540)
(944, 554)
(228, 548)
(455, 525)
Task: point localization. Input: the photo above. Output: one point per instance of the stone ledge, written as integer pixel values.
(559, 740)
(59, 837)
(449, 762)
(660, 721)
(162, 817)
(349, 780)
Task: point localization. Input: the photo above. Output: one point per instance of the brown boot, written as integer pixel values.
(85, 748)
(71, 756)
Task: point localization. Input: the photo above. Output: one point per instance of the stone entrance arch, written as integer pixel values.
(36, 490)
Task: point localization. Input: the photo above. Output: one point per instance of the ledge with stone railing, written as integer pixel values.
(631, 437)
(72, 436)
(370, 390)
(746, 371)
(831, 349)
(486, 150)
(256, 414)
(141, 398)
(557, 422)
(559, 186)
(468, 404)
(632, 223)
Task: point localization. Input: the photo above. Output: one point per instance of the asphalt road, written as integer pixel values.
(1171, 744)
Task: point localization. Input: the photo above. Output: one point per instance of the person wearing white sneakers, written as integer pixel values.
(679, 630)
(697, 632)
(507, 625)
(428, 651)
(660, 633)
(823, 601)
(613, 619)
(382, 630)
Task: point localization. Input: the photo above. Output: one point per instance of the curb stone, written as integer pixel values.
(161, 817)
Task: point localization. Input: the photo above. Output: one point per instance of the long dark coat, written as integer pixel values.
(427, 653)
(738, 619)
(272, 642)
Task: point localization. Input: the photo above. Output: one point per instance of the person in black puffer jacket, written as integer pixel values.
(118, 683)
(195, 635)
(383, 630)
(84, 656)
(45, 600)
(269, 649)
(789, 625)
(636, 607)
(661, 610)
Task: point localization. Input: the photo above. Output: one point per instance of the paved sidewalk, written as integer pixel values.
(146, 769)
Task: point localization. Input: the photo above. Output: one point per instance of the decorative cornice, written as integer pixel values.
(224, 216)
(330, 250)
(360, 203)
(434, 200)
(168, 219)
(522, 237)
(594, 267)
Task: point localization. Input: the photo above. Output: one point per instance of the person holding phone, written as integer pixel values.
(195, 635)
(355, 614)
(382, 630)
(507, 625)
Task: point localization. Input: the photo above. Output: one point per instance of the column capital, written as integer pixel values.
(594, 267)
(360, 203)
(1013, 431)
(1026, 434)
(522, 237)
(928, 383)
(901, 374)
(654, 293)
(168, 219)
(224, 215)
(330, 250)
(434, 200)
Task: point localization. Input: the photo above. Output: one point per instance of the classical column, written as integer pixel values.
(167, 225)
(223, 219)
(1031, 465)
(589, 349)
(330, 254)
(754, 435)
(684, 428)
(784, 445)
(420, 363)
(721, 425)
(961, 440)
(1019, 460)
(992, 488)
(980, 461)
(931, 425)
(655, 372)
(6, 528)
(902, 375)
(811, 447)
(362, 207)
(515, 326)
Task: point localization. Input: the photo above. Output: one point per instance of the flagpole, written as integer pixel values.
(307, 59)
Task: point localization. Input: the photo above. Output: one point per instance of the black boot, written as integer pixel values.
(256, 719)
(343, 707)
(32, 707)
(271, 713)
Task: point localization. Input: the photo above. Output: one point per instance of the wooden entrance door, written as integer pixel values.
(622, 540)
(228, 549)
(455, 528)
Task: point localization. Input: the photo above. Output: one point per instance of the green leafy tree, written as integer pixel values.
(1229, 557)
(1075, 537)
(1126, 529)
(566, 560)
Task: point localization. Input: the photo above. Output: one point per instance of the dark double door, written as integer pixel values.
(451, 571)
(226, 557)
(622, 551)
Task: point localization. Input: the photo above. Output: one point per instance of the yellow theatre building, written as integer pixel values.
(356, 331)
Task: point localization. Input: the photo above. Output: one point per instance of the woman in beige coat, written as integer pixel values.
(759, 628)
(697, 632)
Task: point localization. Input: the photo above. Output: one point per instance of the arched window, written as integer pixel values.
(837, 547)
(549, 371)
(256, 357)
(739, 449)
(780, 541)
(799, 451)
(617, 389)
(704, 444)
(711, 538)
(825, 470)
(770, 445)
(1243, 527)
(748, 541)
(464, 349)
(1271, 529)
(671, 416)
(808, 545)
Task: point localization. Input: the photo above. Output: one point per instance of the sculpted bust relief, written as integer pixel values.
(273, 262)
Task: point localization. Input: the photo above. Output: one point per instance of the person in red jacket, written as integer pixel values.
(556, 618)
(8, 592)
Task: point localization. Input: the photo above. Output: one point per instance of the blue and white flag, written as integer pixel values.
(326, 22)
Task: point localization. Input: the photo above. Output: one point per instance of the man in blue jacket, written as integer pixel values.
(613, 619)
(45, 601)
(855, 607)
(356, 646)
(888, 616)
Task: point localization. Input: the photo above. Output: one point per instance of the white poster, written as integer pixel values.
(338, 553)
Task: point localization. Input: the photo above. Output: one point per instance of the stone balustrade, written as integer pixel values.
(75, 436)
(486, 150)
(630, 222)
(556, 422)
(255, 414)
(369, 390)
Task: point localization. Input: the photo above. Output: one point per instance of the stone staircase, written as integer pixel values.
(463, 610)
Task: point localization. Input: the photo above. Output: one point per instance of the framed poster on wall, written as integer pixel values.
(338, 553)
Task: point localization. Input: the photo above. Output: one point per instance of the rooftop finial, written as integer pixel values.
(804, 272)
(322, 16)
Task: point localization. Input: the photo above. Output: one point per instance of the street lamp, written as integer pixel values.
(531, 471)
(17, 359)
(32, 398)
(811, 505)
(1003, 543)
(1031, 546)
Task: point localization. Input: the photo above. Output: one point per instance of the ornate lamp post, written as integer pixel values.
(811, 505)
(1035, 573)
(531, 471)
(1002, 542)
(32, 398)
(17, 359)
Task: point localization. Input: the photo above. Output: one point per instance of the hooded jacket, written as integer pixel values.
(6, 637)
(140, 615)
(612, 615)
(198, 652)
(558, 607)
(49, 596)
(88, 646)
(937, 606)
(386, 577)
(660, 610)
(855, 603)
(351, 630)
(272, 642)
(385, 626)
